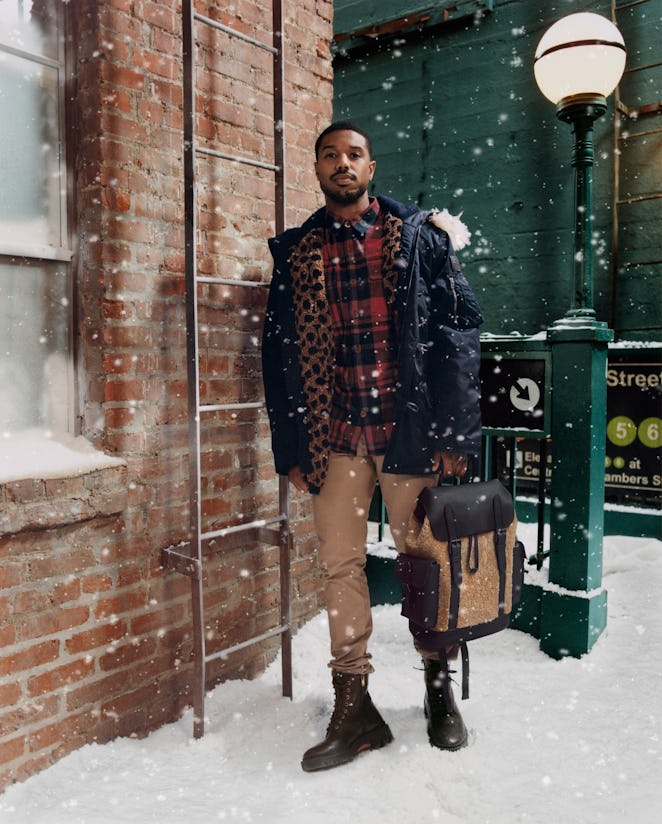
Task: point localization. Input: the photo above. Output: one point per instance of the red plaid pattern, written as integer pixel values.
(364, 333)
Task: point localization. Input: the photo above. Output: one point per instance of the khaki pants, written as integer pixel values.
(341, 521)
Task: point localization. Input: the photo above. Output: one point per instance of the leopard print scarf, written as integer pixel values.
(313, 325)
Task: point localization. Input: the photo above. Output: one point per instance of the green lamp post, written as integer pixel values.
(578, 63)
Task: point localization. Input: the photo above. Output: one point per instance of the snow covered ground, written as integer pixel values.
(550, 741)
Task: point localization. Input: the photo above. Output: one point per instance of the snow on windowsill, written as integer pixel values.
(37, 453)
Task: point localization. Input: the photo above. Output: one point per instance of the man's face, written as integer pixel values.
(344, 168)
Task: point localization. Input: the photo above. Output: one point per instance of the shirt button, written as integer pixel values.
(364, 413)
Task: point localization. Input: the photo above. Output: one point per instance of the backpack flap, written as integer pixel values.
(467, 509)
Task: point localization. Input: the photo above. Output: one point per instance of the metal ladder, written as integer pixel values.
(275, 531)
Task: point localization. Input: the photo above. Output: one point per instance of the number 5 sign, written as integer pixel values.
(634, 427)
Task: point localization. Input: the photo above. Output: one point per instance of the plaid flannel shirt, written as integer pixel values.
(364, 332)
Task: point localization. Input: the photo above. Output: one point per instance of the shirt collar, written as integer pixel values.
(360, 224)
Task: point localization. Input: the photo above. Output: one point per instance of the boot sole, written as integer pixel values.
(454, 748)
(374, 740)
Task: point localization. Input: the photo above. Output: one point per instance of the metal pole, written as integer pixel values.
(280, 208)
(542, 485)
(192, 367)
(581, 114)
(279, 115)
(583, 163)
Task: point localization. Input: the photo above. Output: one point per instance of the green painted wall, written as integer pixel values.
(458, 122)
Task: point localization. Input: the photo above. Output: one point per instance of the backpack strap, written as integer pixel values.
(500, 550)
(464, 653)
(455, 559)
(473, 560)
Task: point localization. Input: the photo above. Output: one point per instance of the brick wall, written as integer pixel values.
(95, 636)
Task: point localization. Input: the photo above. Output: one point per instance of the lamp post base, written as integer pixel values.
(579, 325)
(566, 623)
(571, 624)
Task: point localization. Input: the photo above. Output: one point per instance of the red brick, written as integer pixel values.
(122, 76)
(163, 618)
(10, 574)
(93, 692)
(67, 591)
(122, 656)
(120, 604)
(154, 63)
(30, 600)
(61, 731)
(30, 657)
(128, 574)
(100, 636)
(96, 582)
(7, 635)
(60, 676)
(123, 390)
(9, 694)
(117, 100)
(116, 200)
(11, 750)
(65, 562)
(28, 713)
(55, 620)
(161, 17)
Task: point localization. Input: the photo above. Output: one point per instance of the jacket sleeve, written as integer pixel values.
(284, 436)
(454, 356)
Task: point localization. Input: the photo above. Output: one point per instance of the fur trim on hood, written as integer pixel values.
(457, 230)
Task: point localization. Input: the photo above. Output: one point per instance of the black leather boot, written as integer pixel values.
(446, 728)
(355, 726)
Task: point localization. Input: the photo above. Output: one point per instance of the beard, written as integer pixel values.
(343, 197)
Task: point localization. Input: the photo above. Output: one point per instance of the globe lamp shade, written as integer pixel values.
(580, 55)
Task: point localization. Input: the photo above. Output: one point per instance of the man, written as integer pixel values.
(371, 373)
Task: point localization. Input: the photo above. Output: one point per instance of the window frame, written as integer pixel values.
(21, 254)
(63, 252)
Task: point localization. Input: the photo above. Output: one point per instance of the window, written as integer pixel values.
(35, 277)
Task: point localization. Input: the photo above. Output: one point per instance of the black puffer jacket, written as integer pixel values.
(438, 391)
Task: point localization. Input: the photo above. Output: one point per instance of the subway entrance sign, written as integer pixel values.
(515, 387)
(633, 471)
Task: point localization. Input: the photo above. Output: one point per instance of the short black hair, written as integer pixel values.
(343, 126)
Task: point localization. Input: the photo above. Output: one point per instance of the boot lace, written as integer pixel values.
(343, 704)
(439, 691)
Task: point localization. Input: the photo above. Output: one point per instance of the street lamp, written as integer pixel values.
(578, 63)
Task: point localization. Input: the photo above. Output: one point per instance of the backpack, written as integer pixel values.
(463, 568)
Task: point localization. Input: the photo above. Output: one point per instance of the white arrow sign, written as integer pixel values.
(525, 394)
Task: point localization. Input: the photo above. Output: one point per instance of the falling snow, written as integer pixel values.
(573, 740)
